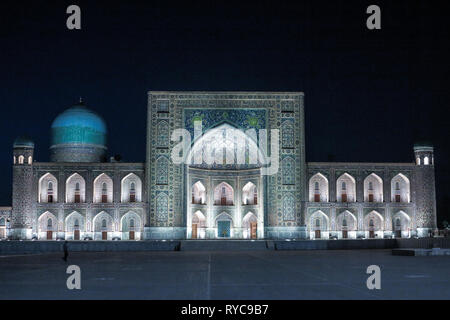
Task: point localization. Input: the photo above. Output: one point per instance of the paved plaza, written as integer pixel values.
(322, 274)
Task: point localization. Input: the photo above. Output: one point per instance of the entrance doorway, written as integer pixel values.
(371, 234)
(49, 235)
(104, 235)
(194, 231)
(131, 235)
(223, 229)
(253, 228)
(398, 233)
(344, 234)
(76, 234)
(317, 234)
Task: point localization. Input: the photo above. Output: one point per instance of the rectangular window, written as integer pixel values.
(104, 198)
(317, 197)
(132, 198)
(370, 197)
(77, 198)
(50, 198)
(344, 197)
(397, 198)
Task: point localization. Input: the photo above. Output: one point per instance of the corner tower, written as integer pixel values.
(425, 190)
(22, 204)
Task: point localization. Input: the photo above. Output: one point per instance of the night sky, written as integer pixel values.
(369, 95)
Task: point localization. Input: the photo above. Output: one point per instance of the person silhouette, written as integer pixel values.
(66, 251)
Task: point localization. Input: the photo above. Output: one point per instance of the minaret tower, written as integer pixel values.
(22, 205)
(425, 191)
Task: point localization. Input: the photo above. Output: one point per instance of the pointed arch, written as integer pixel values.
(374, 221)
(198, 191)
(99, 222)
(224, 225)
(249, 218)
(322, 218)
(75, 189)
(400, 189)
(130, 221)
(373, 188)
(347, 221)
(47, 222)
(224, 216)
(318, 188)
(249, 194)
(71, 222)
(223, 194)
(48, 188)
(103, 189)
(250, 226)
(403, 218)
(199, 218)
(131, 188)
(346, 188)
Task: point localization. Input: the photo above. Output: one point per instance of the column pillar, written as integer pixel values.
(332, 186)
(210, 217)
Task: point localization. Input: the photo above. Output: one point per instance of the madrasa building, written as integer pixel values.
(218, 165)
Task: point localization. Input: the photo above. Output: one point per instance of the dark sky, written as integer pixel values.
(369, 94)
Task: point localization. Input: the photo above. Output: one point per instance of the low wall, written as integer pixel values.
(336, 244)
(27, 247)
(224, 245)
(424, 243)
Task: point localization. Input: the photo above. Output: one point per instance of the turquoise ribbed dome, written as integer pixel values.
(78, 125)
(423, 143)
(23, 142)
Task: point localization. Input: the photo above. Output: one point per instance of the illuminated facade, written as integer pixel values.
(257, 186)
